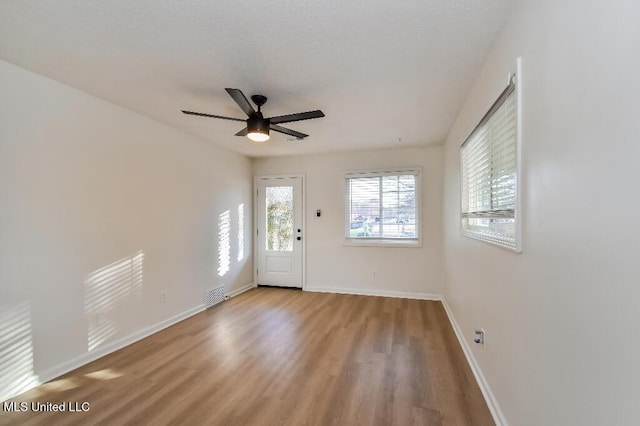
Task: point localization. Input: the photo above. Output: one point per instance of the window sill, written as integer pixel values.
(495, 239)
(372, 242)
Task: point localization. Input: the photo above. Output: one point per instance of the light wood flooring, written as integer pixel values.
(280, 357)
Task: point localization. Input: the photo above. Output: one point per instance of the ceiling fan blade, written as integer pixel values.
(296, 117)
(241, 100)
(212, 116)
(243, 132)
(286, 131)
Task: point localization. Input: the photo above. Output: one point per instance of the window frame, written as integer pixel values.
(494, 238)
(375, 241)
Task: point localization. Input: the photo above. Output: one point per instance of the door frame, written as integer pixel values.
(303, 254)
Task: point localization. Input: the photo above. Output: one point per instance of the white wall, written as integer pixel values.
(84, 184)
(562, 317)
(331, 266)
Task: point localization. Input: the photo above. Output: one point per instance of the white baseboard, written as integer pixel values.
(488, 395)
(241, 290)
(78, 362)
(369, 292)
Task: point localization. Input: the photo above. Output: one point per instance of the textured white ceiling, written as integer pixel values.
(386, 73)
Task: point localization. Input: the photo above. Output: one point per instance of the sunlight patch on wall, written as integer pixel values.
(224, 243)
(240, 232)
(16, 350)
(104, 288)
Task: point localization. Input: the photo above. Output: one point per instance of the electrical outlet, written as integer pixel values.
(163, 297)
(479, 339)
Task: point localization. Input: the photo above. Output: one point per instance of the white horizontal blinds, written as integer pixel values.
(399, 218)
(364, 196)
(382, 205)
(489, 174)
(503, 156)
(476, 172)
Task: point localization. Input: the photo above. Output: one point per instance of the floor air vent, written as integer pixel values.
(214, 296)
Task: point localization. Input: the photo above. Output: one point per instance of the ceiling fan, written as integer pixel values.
(257, 126)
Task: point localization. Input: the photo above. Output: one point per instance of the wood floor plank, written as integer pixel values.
(280, 357)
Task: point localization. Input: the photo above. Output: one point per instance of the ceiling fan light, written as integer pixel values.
(258, 128)
(258, 135)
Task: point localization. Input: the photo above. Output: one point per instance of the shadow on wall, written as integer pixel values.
(16, 350)
(104, 288)
(224, 239)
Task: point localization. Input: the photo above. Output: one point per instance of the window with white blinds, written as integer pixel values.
(489, 175)
(383, 207)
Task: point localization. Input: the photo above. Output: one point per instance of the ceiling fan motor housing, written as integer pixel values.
(258, 124)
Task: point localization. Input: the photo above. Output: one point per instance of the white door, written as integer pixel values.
(279, 232)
